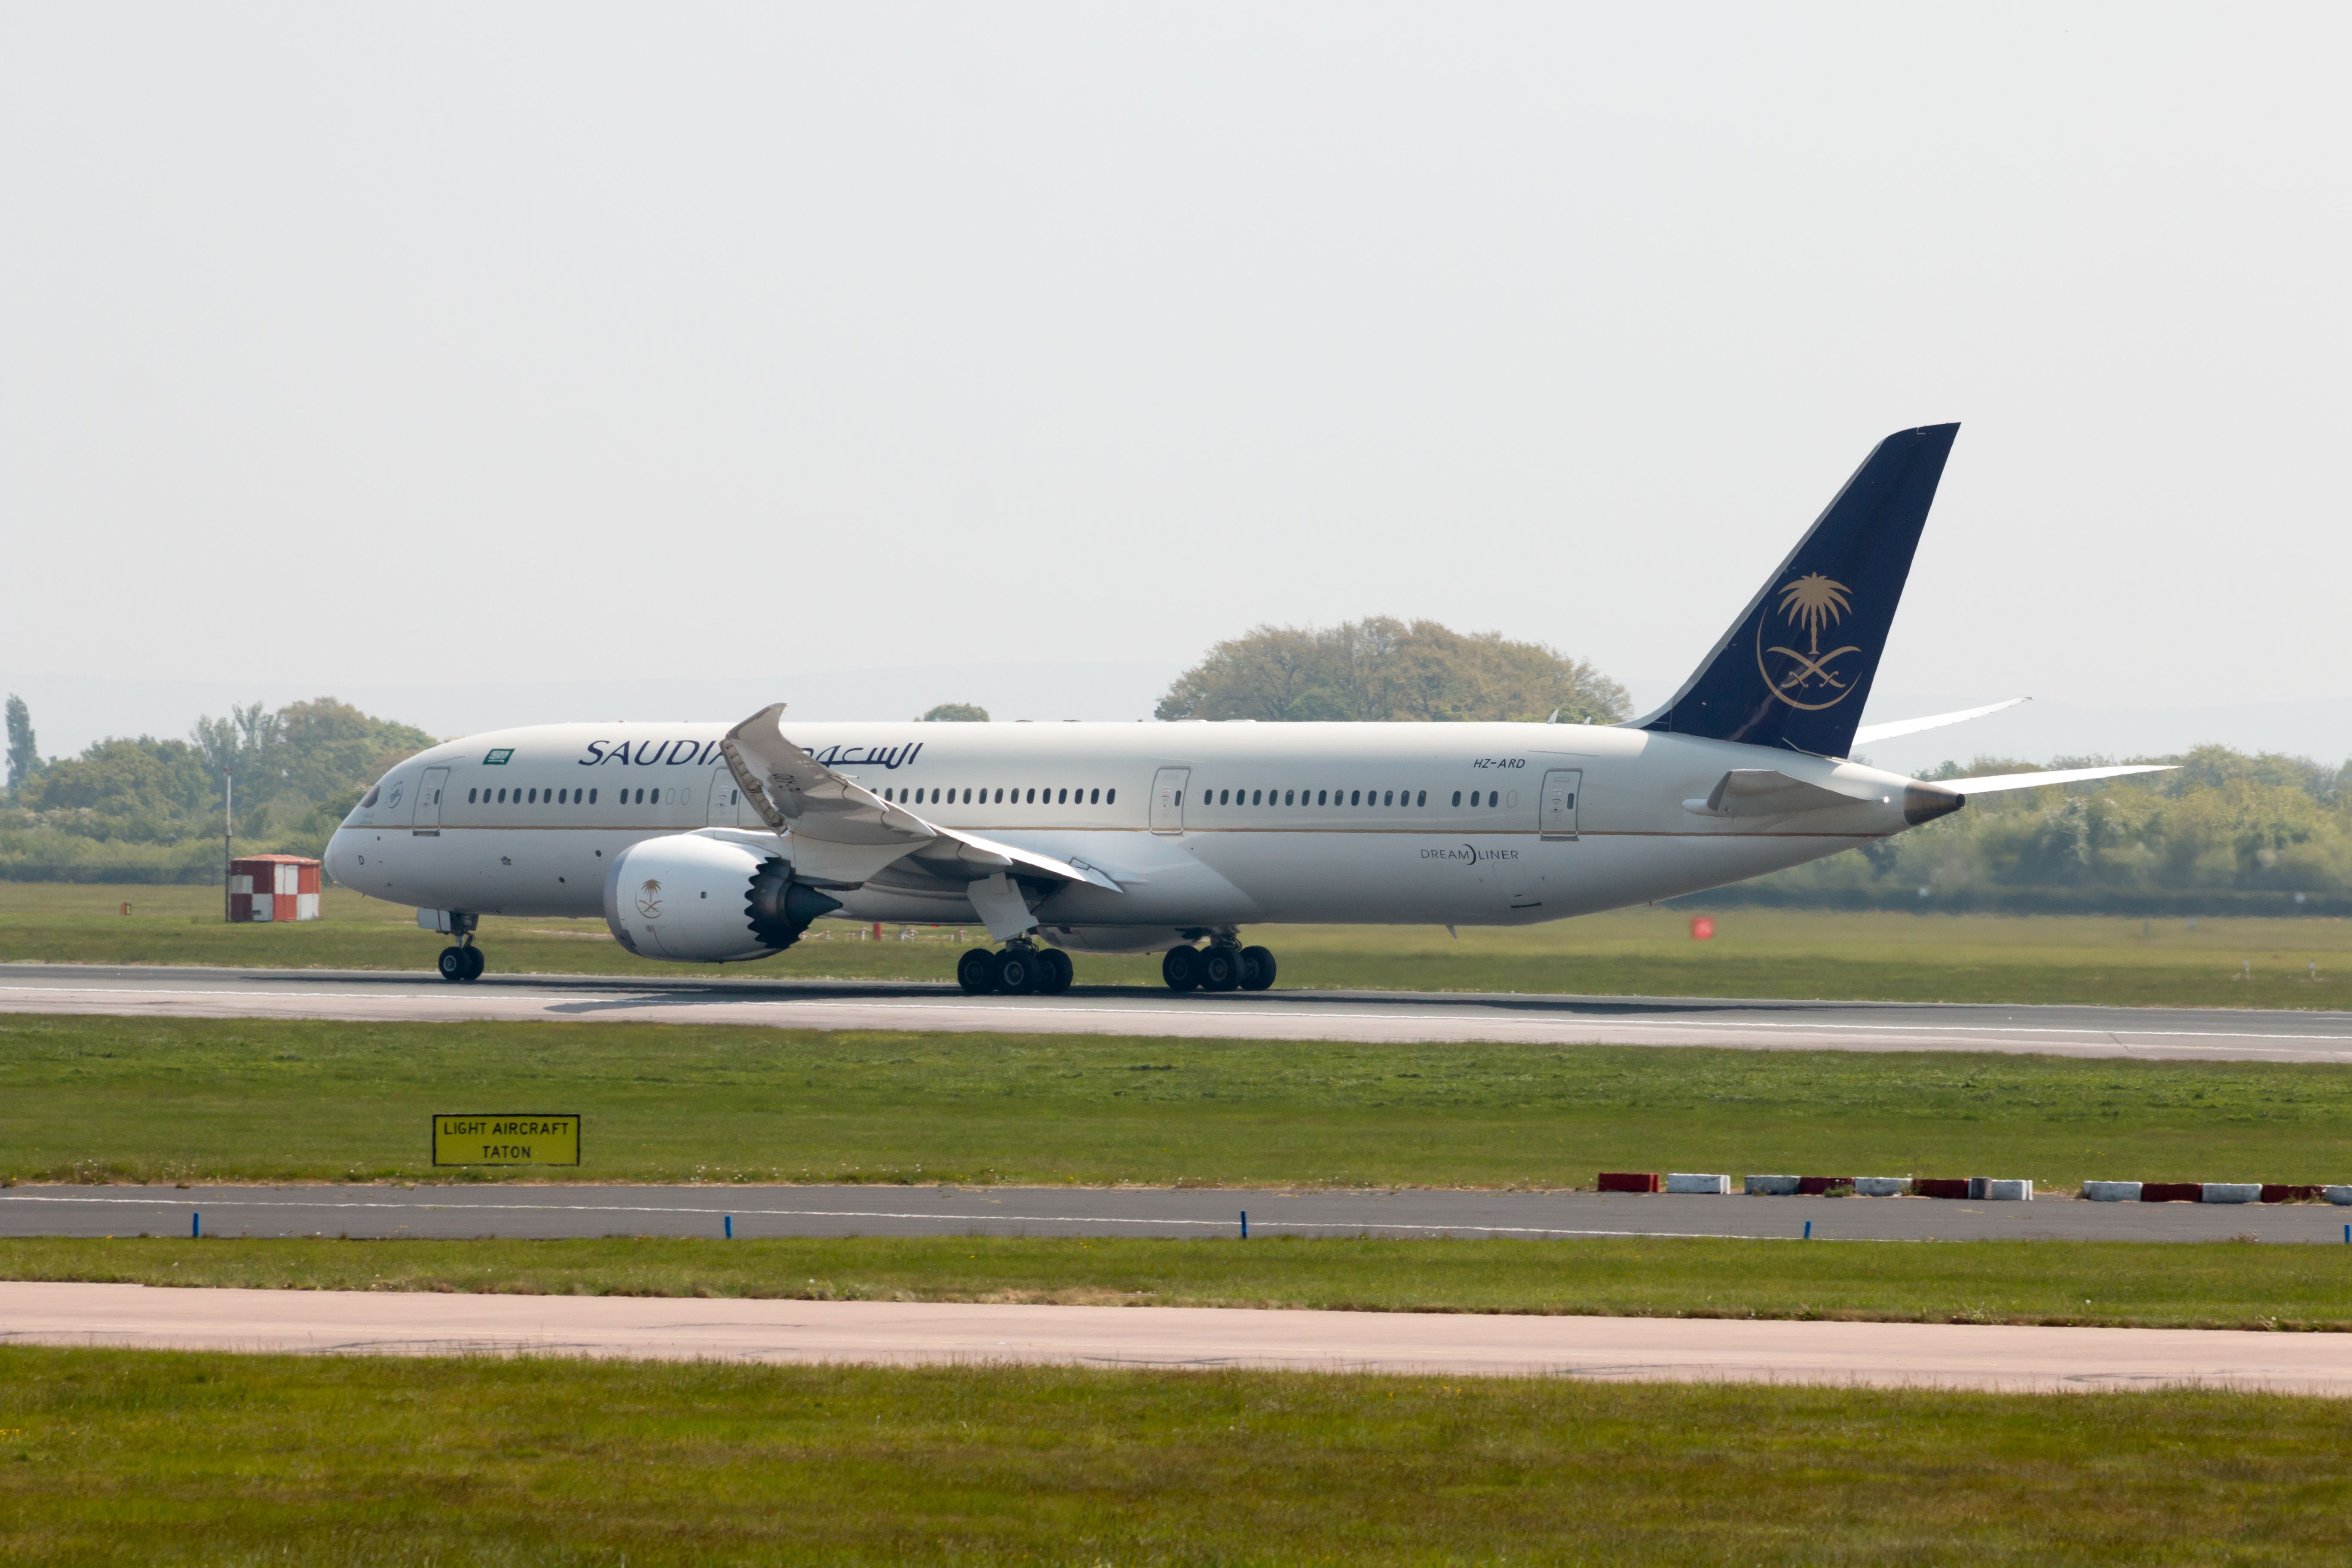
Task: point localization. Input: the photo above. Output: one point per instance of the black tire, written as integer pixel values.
(976, 971)
(1181, 969)
(1059, 972)
(1018, 971)
(1221, 970)
(475, 964)
(1257, 969)
(453, 964)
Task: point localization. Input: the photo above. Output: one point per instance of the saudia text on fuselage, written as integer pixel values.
(689, 753)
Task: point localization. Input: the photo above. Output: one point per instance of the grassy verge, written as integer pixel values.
(180, 1459)
(2114, 1284)
(1645, 952)
(101, 1097)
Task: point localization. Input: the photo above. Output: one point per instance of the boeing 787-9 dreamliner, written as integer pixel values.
(705, 843)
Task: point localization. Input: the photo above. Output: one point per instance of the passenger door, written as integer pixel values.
(726, 800)
(1556, 806)
(428, 798)
(1168, 800)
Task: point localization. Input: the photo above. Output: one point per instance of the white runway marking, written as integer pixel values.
(913, 1333)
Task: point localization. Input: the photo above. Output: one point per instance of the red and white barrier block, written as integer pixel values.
(263, 889)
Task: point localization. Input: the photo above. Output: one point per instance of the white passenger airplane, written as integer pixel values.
(707, 844)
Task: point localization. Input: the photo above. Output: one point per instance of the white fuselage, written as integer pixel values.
(1435, 823)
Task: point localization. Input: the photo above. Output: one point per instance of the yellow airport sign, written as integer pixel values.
(506, 1138)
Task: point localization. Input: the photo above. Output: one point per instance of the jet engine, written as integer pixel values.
(699, 899)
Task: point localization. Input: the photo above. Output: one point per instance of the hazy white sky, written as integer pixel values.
(344, 345)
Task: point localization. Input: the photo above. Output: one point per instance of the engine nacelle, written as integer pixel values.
(706, 900)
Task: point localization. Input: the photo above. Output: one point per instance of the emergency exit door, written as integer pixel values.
(428, 798)
(1557, 805)
(726, 800)
(1168, 800)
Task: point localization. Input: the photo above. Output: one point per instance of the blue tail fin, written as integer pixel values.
(1795, 669)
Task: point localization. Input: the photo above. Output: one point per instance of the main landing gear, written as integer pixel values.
(1223, 965)
(1021, 969)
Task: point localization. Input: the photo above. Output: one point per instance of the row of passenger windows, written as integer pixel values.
(553, 796)
(1029, 797)
(565, 797)
(1405, 797)
(1017, 797)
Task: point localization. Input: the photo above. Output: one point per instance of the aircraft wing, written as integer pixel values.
(1870, 733)
(2000, 781)
(841, 833)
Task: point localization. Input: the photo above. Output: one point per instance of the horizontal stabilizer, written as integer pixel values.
(1767, 792)
(1998, 782)
(1870, 733)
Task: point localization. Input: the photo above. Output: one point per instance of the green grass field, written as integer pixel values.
(2178, 1285)
(169, 1458)
(100, 1098)
(1648, 951)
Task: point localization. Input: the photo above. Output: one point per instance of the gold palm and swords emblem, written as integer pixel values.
(1811, 603)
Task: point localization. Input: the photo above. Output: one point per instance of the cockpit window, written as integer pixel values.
(369, 799)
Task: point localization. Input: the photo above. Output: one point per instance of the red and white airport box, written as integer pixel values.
(273, 887)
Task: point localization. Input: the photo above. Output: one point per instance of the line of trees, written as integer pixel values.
(1384, 669)
(2228, 832)
(149, 810)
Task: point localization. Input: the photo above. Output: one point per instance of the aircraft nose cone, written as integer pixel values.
(339, 856)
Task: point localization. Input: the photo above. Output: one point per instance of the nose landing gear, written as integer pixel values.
(463, 962)
(1021, 969)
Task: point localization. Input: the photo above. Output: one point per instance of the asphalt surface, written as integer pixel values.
(523, 1211)
(2151, 1033)
(1949, 1355)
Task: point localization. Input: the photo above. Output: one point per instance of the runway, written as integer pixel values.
(2158, 1033)
(1617, 1350)
(539, 1211)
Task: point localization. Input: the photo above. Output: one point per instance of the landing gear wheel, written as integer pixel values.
(453, 964)
(475, 963)
(1221, 969)
(1181, 969)
(1018, 971)
(976, 971)
(1059, 972)
(1257, 969)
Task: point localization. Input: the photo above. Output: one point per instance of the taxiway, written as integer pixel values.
(1951, 1355)
(526, 1211)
